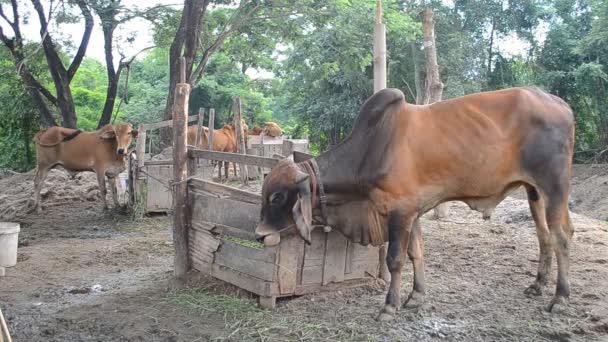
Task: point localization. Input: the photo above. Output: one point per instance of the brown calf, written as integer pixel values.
(402, 160)
(102, 152)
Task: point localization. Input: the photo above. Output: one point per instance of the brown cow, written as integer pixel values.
(257, 130)
(271, 129)
(402, 160)
(224, 140)
(102, 152)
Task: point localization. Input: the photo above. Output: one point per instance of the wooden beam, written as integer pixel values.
(180, 193)
(234, 158)
(202, 185)
(166, 123)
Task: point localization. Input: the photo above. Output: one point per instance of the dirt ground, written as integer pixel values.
(84, 275)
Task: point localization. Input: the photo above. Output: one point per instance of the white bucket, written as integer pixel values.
(9, 233)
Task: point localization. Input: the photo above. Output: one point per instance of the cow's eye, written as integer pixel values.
(277, 198)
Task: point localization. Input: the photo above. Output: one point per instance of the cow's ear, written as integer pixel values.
(302, 210)
(107, 132)
(134, 133)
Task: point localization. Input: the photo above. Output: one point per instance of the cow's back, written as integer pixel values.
(464, 145)
(84, 152)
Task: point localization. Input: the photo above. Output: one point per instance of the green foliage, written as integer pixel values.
(18, 118)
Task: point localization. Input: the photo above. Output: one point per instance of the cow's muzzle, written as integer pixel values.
(121, 151)
(268, 236)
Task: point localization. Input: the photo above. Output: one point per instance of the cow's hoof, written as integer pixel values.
(557, 303)
(386, 314)
(533, 290)
(414, 300)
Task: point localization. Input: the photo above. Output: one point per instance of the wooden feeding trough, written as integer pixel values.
(221, 243)
(213, 230)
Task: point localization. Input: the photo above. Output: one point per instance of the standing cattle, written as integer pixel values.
(402, 160)
(102, 152)
(224, 140)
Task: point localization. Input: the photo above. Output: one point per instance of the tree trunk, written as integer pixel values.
(186, 39)
(489, 69)
(108, 26)
(434, 87)
(418, 75)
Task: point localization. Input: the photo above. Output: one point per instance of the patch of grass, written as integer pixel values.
(146, 224)
(243, 242)
(244, 321)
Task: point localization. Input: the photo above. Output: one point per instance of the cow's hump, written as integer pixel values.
(373, 109)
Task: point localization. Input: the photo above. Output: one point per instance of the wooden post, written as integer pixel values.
(379, 50)
(199, 127)
(199, 131)
(180, 156)
(209, 163)
(211, 128)
(379, 84)
(138, 183)
(240, 136)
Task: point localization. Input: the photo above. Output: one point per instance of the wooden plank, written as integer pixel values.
(257, 263)
(160, 162)
(200, 185)
(315, 288)
(159, 197)
(248, 283)
(291, 252)
(225, 211)
(227, 230)
(291, 145)
(335, 258)
(234, 158)
(167, 123)
(180, 154)
(312, 269)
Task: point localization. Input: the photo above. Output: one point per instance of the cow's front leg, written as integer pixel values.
(114, 189)
(101, 181)
(415, 251)
(399, 227)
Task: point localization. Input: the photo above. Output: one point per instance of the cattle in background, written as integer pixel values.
(224, 140)
(103, 152)
(271, 129)
(402, 160)
(257, 130)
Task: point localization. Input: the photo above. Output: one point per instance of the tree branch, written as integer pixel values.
(5, 17)
(88, 29)
(226, 31)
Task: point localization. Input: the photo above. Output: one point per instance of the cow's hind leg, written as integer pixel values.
(41, 173)
(226, 169)
(415, 251)
(560, 227)
(399, 227)
(537, 208)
